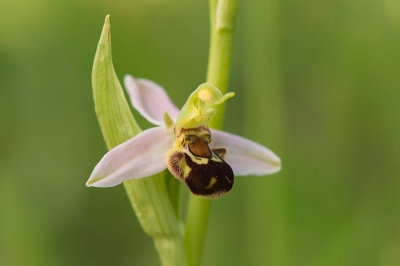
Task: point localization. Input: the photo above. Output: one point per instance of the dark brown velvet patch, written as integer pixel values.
(200, 178)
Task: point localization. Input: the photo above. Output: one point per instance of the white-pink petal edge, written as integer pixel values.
(246, 157)
(141, 156)
(150, 99)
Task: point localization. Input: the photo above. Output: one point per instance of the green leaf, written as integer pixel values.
(115, 118)
(148, 196)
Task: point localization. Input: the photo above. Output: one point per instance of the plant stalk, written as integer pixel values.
(222, 18)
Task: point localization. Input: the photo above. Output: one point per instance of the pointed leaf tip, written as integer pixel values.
(105, 33)
(113, 113)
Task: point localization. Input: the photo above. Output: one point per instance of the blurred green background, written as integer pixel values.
(316, 81)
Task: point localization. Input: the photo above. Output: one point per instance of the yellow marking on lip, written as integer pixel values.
(213, 180)
(186, 170)
(198, 160)
(227, 179)
(216, 159)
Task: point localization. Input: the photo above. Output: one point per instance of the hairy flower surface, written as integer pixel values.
(206, 160)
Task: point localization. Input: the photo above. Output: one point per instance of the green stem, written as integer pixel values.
(196, 226)
(222, 17)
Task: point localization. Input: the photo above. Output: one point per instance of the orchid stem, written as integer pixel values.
(222, 18)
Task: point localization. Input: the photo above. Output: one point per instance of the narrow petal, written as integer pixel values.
(246, 157)
(150, 99)
(141, 156)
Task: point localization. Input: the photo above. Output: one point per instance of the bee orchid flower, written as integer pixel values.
(206, 160)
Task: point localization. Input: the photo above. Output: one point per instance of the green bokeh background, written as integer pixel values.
(316, 81)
